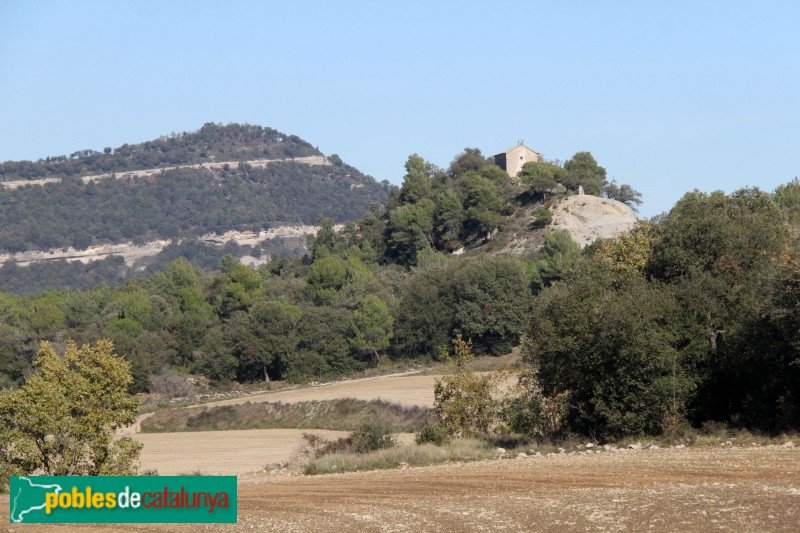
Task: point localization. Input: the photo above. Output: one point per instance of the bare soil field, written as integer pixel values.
(222, 452)
(230, 453)
(689, 489)
(406, 390)
(241, 451)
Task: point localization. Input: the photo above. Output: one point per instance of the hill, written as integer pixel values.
(179, 191)
(212, 142)
(687, 318)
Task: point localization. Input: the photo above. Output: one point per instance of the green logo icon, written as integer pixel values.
(122, 499)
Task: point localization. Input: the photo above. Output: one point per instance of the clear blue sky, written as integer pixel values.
(669, 96)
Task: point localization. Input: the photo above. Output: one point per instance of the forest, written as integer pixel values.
(180, 204)
(693, 316)
(212, 142)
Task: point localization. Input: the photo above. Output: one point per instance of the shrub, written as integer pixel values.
(464, 401)
(431, 434)
(367, 438)
(542, 217)
(171, 385)
(371, 437)
(528, 411)
(422, 455)
(345, 414)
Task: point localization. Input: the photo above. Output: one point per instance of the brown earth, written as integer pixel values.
(240, 451)
(228, 453)
(690, 489)
(222, 452)
(409, 390)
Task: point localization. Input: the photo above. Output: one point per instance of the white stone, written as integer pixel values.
(589, 217)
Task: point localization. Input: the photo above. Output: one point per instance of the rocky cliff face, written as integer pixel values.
(588, 218)
(133, 253)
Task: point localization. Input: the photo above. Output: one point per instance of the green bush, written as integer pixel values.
(542, 217)
(371, 437)
(367, 438)
(464, 400)
(431, 434)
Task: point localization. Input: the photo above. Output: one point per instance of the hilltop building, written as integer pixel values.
(511, 160)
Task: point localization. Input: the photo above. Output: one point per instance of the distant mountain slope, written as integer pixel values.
(220, 178)
(212, 142)
(153, 172)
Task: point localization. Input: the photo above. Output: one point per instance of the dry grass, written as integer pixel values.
(709, 434)
(482, 363)
(345, 414)
(460, 450)
(718, 434)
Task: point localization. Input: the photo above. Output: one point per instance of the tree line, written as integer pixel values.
(212, 142)
(693, 316)
(180, 203)
(353, 298)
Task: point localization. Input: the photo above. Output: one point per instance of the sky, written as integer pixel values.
(669, 96)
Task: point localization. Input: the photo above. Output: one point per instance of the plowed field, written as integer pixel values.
(690, 489)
